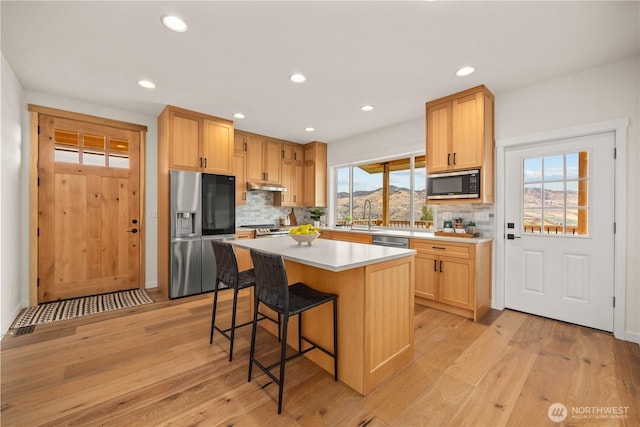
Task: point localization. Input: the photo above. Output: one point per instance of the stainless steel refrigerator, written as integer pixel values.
(202, 208)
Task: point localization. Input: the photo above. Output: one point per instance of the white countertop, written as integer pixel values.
(330, 255)
(409, 234)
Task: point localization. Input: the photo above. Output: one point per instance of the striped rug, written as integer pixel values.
(77, 307)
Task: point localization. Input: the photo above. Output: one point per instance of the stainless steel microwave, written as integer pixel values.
(454, 185)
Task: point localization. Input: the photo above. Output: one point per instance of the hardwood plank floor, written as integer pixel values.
(153, 365)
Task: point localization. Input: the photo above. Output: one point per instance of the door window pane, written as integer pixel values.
(553, 168)
(553, 194)
(533, 195)
(94, 159)
(533, 170)
(118, 162)
(532, 220)
(556, 194)
(66, 156)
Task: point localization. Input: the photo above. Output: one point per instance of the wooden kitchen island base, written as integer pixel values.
(375, 315)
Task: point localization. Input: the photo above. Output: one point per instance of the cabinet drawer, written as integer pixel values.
(244, 234)
(459, 250)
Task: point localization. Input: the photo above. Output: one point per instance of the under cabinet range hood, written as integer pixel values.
(251, 186)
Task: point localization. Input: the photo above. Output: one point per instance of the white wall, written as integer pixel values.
(602, 93)
(12, 279)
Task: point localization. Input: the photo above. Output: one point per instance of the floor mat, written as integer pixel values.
(77, 307)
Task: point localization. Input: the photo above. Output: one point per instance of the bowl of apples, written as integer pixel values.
(305, 233)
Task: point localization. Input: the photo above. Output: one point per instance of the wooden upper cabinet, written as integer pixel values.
(292, 151)
(263, 159)
(184, 141)
(460, 130)
(217, 147)
(439, 136)
(292, 176)
(196, 141)
(315, 174)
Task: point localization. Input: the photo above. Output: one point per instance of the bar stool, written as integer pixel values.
(273, 290)
(228, 274)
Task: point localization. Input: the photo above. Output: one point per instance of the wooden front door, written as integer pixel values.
(88, 208)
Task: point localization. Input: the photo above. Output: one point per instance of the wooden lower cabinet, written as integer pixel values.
(453, 277)
(243, 257)
(346, 236)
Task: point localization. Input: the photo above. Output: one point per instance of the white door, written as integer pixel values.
(559, 213)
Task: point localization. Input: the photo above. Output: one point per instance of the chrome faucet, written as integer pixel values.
(364, 213)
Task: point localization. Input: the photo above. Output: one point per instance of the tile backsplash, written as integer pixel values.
(260, 210)
(482, 214)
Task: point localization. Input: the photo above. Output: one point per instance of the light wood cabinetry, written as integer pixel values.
(197, 141)
(460, 136)
(243, 257)
(346, 236)
(263, 159)
(315, 174)
(453, 277)
(240, 167)
(292, 176)
(192, 141)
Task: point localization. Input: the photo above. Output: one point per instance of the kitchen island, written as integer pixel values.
(375, 288)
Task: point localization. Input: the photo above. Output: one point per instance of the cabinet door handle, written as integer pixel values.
(440, 266)
(454, 158)
(449, 159)
(435, 265)
(244, 146)
(205, 162)
(200, 161)
(244, 195)
(439, 247)
(282, 155)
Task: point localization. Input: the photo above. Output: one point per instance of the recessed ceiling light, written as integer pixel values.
(309, 129)
(367, 107)
(147, 84)
(465, 71)
(174, 23)
(297, 78)
(238, 115)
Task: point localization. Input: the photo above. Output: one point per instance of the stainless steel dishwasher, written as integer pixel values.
(393, 241)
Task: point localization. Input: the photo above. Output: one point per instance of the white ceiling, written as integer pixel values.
(237, 56)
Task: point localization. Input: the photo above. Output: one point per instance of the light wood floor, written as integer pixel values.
(153, 365)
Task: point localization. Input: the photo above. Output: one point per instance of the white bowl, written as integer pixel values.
(304, 238)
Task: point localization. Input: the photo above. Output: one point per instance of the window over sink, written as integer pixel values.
(394, 187)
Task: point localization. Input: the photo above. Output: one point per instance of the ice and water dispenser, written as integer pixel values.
(185, 224)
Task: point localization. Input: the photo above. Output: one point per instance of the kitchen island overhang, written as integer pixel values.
(375, 288)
